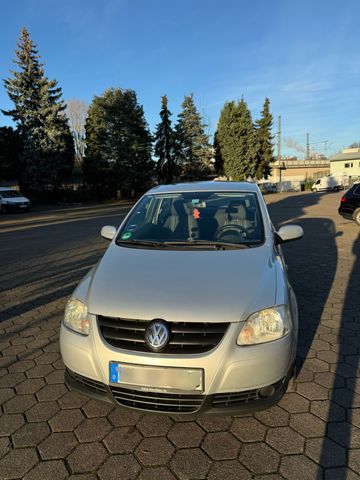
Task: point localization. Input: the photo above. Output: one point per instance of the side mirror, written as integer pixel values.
(108, 232)
(287, 233)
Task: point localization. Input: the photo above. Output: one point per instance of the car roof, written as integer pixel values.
(210, 186)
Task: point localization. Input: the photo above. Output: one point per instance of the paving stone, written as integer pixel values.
(17, 463)
(273, 417)
(248, 429)
(39, 371)
(122, 417)
(316, 365)
(86, 457)
(329, 380)
(122, 440)
(341, 473)
(21, 366)
(229, 470)
(19, 404)
(345, 397)
(259, 458)
(47, 358)
(117, 467)
(72, 399)
(12, 379)
(186, 435)
(353, 416)
(5, 446)
(325, 452)
(328, 411)
(10, 423)
(154, 451)
(57, 445)
(328, 356)
(190, 463)
(307, 425)
(214, 424)
(42, 412)
(53, 470)
(30, 385)
(185, 417)
(345, 434)
(299, 467)
(13, 350)
(285, 440)
(294, 403)
(96, 408)
(6, 394)
(92, 429)
(57, 376)
(66, 420)
(154, 425)
(30, 435)
(221, 446)
(304, 375)
(51, 393)
(84, 476)
(354, 460)
(312, 391)
(156, 473)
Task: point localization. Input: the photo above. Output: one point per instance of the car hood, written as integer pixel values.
(15, 199)
(183, 285)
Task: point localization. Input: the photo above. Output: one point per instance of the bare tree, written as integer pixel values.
(77, 112)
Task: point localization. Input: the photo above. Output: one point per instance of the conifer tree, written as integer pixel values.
(164, 146)
(47, 154)
(264, 145)
(118, 144)
(9, 154)
(235, 135)
(219, 162)
(193, 151)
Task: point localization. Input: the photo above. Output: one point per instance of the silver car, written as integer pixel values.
(190, 309)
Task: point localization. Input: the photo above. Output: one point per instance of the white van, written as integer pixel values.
(328, 183)
(13, 200)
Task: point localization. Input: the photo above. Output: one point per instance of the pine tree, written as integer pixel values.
(219, 162)
(192, 148)
(164, 146)
(235, 135)
(9, 154)
(47, 154)
(118, 144)
(264, 145)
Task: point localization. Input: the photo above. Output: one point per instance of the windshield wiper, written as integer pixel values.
(209, 243)
(140, 243)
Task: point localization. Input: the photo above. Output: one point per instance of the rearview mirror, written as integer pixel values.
(108, 232)
(287, 233)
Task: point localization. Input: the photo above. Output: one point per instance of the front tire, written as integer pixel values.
(357, 216)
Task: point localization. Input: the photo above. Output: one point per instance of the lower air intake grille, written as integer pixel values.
(185, 337)
(88, 382)
(157, 402)
(221, 400)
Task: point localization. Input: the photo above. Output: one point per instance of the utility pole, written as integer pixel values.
(307, 147)
(279, 145)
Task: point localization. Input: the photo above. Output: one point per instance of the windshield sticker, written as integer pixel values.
(196, 213)
(126, 235)
(195, 201)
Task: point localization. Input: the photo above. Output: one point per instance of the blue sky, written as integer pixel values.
(303, 55)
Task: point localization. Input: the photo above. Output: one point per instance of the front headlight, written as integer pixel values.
(76, 316)
(265, 326)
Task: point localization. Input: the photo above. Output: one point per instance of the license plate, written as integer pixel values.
(158, 379)
(23, 206)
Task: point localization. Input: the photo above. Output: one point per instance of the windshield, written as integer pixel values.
(9, 193)
(192, 217)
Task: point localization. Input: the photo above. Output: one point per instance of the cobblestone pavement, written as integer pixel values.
(48, 432)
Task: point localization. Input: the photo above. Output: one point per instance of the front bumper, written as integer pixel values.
(17, 207)
(235, 378)
(232, 403)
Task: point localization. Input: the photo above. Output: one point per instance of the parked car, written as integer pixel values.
(328, 183)
(350, 204)
(12, 200)
(190, 309)
(268, 187)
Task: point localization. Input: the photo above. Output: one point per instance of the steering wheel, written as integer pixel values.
(231, 227)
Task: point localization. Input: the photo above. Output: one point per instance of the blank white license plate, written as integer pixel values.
(161, 379)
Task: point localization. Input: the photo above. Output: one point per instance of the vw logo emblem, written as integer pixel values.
(157, 335)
